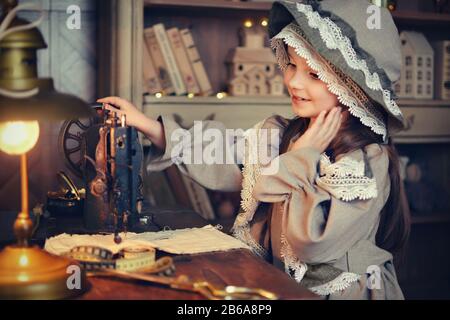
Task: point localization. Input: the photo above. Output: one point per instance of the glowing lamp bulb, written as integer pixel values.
(18, 137)
(264, 22)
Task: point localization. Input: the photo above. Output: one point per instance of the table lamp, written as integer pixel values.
(27, 272)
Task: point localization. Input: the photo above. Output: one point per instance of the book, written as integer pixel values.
(158, 61)
(176, 183)
(189, 193)
(150, 76)
(184, 64)
(199, 197)
(197, 64)
(169, 59)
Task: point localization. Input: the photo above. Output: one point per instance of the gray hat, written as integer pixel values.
(337, 30)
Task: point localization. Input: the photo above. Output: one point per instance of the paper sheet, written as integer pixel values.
(183, 241)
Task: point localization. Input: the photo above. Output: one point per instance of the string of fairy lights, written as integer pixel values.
(247, 23)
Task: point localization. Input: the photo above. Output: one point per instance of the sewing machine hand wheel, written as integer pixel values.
(71, 139)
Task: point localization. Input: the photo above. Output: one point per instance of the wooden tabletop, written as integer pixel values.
(236, 267)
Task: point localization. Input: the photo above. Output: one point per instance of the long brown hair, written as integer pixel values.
(394, 227)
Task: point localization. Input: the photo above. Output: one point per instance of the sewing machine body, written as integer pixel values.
(107, 155)
(112, 174)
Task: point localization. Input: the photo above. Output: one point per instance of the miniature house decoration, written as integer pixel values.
(442, 62)
(416, 79)
(253, 69)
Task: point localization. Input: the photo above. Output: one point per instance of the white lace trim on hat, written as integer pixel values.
(342, 282)
(345, 179)
(332, 35)
(292, 39)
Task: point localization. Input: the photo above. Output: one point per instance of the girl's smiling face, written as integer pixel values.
(309, 95)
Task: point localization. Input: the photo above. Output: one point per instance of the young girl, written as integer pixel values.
(334, 212)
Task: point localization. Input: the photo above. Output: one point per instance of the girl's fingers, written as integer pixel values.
(116, 101)
(319, 121)
(335, 122)
(334, 127)
(112, 100)
(328, 122)
(113, 109)
(329, 128)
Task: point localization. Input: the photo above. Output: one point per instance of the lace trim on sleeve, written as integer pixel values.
(250, 172)
(291, 262)
(345, 179)
(340, 283)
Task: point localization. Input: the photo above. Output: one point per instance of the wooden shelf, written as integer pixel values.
(414, 17)
(430, 218)
(209, 4)
(244, 112)
(233, 112)
(423, 103)
(274, 100)
(212, 100)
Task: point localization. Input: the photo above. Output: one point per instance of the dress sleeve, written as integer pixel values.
(182, 146)
(328, 207)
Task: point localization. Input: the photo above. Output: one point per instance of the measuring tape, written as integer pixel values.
(128, 259)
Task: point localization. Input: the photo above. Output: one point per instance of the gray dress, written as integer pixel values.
(314, 219)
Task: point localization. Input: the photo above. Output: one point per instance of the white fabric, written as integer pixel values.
(183, 241)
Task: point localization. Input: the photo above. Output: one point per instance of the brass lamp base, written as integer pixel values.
(32, 273)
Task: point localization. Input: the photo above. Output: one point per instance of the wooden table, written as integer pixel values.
(236, 267)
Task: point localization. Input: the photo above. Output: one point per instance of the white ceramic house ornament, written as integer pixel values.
(277, 85)
(416, 79)
(442, 62)
(252, 66)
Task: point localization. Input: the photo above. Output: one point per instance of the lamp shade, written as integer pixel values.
(18, 73)
(48, 104)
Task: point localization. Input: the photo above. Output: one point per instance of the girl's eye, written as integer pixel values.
(290, 64)
(314, 75)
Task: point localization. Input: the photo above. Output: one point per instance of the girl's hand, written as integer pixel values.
(152, 129)
(134, 117)
(321, 132)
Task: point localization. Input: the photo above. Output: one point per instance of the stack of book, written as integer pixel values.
(172, 64)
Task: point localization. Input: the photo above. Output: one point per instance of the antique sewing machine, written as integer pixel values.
(107, 155)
